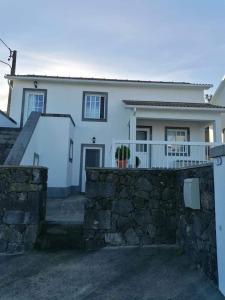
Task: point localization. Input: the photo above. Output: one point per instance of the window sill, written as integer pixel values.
(94, 120)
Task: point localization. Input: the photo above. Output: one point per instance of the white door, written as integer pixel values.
(92, 157)
(143, 150)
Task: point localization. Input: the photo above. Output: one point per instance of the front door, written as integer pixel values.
(143, 150)
(92, 157)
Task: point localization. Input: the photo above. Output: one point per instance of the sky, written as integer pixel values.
(170, 40)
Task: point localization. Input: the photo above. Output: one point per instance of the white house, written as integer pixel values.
(84, 120)
(219, 99)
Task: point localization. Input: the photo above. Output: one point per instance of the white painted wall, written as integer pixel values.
(6, 122)
(219, 183)
(66, 98)
(219, 98)
(50, 141)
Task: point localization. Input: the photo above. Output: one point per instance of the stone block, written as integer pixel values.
(3, 245)
(25, 187)
(10, 234)
(30, 235)
(151, 229)
(131, 237)
(104, 219)
(143, 184)
(15, 248)
(13, 217)
(36, 176)
(114, 239)
(122, 207)
(107, 189)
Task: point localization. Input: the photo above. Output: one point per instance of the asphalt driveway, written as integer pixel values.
(107, 274)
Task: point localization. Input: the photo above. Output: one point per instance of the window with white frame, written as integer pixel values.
(34, 100)
(177, 135)
(95, 106)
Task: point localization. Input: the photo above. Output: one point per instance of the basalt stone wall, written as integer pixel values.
(22, 206)
(196, 228)
(136, 207)
(130, 207)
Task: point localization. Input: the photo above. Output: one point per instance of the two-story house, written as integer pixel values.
(82, 122)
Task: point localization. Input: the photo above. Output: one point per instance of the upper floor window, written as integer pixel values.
(33, 100)
(177, 135)
(94, 106)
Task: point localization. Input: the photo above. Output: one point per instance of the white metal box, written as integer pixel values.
(191, 193)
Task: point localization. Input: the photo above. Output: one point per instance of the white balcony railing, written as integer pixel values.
(159, 154)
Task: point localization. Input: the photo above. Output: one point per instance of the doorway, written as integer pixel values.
(92, 156)
(143, 151)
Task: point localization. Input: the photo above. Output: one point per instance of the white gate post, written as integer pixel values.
(218, 155)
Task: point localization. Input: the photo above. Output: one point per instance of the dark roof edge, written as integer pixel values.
(33, 76)
(172, 104)
(59, 116)
(8, 117)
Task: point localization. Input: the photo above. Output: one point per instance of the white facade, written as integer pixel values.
(219, 99)
(65, 96)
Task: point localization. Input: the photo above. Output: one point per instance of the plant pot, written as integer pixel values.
(122, 164)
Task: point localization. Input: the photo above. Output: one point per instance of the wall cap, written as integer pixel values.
(217, 151)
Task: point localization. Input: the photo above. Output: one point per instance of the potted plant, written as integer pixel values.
(122, 156)
(137, 162)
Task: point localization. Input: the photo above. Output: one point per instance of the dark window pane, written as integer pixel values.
(102, 108)
(92, 158)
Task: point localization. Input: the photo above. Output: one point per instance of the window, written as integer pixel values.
(223, 136)
(177, 135)
(71, 151)
(34, 100)
(94, 106)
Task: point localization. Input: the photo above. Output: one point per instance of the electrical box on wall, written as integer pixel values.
(192, 193)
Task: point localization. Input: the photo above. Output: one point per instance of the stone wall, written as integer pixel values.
(130, 207)
(8, 137)
(145, 207)
(196, 228)
(22, 206)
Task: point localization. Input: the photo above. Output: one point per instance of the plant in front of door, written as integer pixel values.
(122, 156)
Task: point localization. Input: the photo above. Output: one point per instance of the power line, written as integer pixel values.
(5, 63)
(10, 50)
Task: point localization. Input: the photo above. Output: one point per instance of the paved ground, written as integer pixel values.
(107, 274)
(62, 210)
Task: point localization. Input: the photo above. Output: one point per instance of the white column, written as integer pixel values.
(217, 130)
(133, 125)
(219, 175)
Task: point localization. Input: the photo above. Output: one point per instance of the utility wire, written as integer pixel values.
(6, 45)
(5, 63)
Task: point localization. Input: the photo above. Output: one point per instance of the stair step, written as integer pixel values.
(61, 236)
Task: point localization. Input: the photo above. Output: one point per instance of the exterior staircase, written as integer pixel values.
(63, 228)
(8, 137)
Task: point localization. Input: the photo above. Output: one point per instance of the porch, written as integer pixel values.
(168, 135)
(159, 154)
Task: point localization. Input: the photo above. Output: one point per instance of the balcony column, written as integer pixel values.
(133, 125)
(132, 136)
(217, 131)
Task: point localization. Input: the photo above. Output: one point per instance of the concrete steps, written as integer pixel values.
(61, 236)
(63, 228)
(8, 137)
